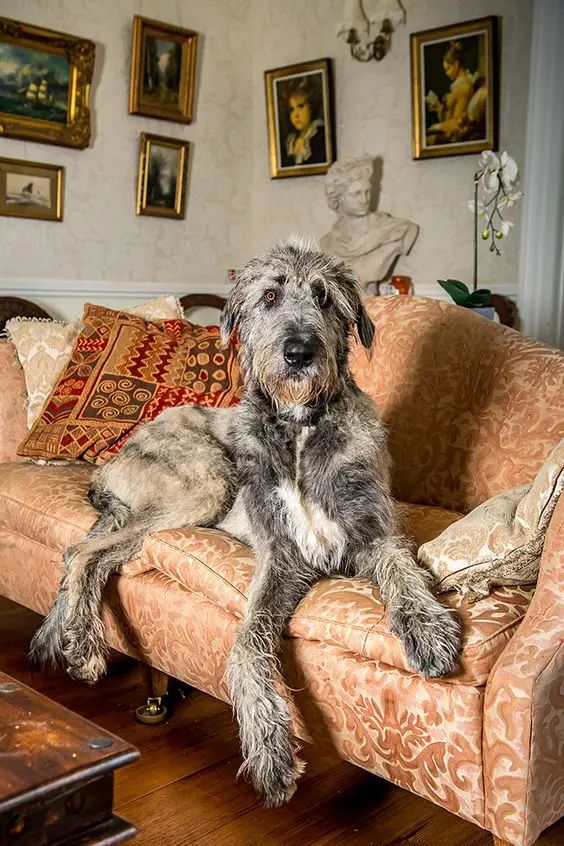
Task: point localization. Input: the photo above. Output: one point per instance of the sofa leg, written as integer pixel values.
(498, 842)
(156, 709)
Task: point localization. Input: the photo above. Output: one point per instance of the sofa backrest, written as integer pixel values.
(12, 403)
(472, 408)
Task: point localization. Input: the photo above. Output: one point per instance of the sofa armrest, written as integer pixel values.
(524, 710)
(13, 426)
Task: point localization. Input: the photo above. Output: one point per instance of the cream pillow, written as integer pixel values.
(500, 541)
(44, 347)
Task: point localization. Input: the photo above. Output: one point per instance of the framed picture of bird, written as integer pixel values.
(31, 189)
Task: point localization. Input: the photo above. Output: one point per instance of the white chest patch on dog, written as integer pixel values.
(317, 536)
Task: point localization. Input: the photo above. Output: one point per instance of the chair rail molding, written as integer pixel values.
(541, 261)
(106, 289)
(63, 299)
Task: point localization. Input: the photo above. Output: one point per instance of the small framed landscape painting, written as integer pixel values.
(163, 66)
(300, 119)
(45, 79)
(31, 189)
(163, 171)
(454, 82)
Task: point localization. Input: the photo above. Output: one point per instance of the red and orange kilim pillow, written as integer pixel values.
(124, 370)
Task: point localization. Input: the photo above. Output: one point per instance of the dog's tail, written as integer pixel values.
(87, 568)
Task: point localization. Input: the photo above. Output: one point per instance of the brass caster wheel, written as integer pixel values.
(153, 712)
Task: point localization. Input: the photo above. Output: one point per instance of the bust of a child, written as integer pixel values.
(369, 241)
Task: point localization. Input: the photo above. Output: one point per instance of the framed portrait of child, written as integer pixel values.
(299, 102)
(454, 83)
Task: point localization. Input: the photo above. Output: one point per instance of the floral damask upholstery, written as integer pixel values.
(12, 403)
(483, 742)
(472, 408)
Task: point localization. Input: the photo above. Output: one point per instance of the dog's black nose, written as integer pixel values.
(298, 352)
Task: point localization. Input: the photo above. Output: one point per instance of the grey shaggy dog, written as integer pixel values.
(300, 469)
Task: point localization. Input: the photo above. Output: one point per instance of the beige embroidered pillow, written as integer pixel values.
(44, 347)
(500, 541)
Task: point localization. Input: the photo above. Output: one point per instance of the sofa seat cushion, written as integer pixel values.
(347, 613)
(47, 504)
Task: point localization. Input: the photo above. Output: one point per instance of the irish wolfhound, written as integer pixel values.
(300, 469)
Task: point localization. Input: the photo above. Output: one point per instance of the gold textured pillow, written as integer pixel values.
(44, 347)
(500, 541)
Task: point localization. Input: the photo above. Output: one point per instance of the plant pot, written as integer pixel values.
(485, 311)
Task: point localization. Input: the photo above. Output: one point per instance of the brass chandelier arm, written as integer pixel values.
(376, 49)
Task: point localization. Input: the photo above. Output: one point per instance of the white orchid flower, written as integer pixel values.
(488, 159)
(509, 172)
(509, 199)
(490, 180)
(505, 227)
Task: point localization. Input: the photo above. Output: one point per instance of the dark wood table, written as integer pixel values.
(56, 773)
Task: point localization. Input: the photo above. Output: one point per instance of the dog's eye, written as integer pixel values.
(322, 297)
(270, 297)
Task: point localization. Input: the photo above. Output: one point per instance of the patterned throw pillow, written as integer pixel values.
(500, 541)
(123, 371)
(44, 347)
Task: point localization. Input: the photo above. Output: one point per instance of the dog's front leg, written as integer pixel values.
(428, 630)
(269, 750)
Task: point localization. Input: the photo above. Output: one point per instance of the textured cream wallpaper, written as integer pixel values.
(101, 238)
(373, 111)
(234, 209)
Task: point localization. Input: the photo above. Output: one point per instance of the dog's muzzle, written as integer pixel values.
(299, 352)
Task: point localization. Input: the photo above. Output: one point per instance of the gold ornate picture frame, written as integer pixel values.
(31, 189)
(299, 104)
(163, 174)
(163, 69)
(45, 86)
(454, 85)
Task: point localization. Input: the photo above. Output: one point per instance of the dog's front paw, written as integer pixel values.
(88, 671)
(46, 647)
(274, 771)
(430, 635)
(83, 661)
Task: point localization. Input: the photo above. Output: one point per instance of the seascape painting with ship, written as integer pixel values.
(33, 83)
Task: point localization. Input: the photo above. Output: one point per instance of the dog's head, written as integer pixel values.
(294, 309)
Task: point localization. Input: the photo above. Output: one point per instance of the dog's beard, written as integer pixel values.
(286, 390)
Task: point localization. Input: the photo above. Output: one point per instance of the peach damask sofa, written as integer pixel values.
(472, 408)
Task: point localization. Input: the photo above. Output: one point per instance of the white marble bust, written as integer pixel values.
(369, 241)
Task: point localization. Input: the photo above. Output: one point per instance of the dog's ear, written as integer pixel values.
(231, 314)
(228, 320)
(356, 312)
(364, 327)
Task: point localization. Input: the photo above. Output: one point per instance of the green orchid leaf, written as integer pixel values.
(480, 298)
(455, 289)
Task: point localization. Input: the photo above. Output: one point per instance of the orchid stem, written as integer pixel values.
(475, 274)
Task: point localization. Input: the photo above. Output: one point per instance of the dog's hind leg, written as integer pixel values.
(84, 647)
(428, 630)
(269, 751)
(46, 647)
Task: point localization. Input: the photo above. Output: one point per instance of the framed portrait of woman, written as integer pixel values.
(454, 82)
(299, 101)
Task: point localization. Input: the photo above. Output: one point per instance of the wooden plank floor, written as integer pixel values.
(183, 791)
